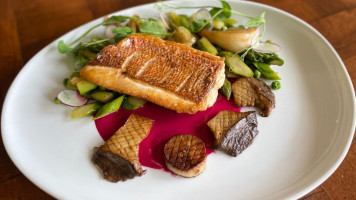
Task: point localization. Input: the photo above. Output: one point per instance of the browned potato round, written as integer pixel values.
(185, 155)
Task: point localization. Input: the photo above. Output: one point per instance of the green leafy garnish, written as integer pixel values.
(221, 13)
(257, 21)
(216, 13)
(64, 48)
(226, 11)
(122, 30)
(121, 33)
(116, 19)
(94, 42)
(197, 25)
(254, 22)
(152, 28)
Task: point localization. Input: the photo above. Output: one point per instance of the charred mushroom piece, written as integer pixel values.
(185, 155)
(117, 159)
(223, 122)
(233, 131)
(240, 136)
(253, 92)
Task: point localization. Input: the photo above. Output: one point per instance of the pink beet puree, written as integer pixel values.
(167, 124)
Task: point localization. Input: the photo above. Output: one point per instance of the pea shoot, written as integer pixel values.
(147, 27)
(64, 48)
(222, 13)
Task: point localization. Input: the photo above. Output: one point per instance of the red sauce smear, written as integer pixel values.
(167, 124)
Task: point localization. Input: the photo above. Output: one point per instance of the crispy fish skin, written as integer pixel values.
(185, 155)
(253, 92)
(166, 73)
(118, 159)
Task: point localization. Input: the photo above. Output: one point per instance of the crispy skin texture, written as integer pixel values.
(166, 73)
(185, 155)
(117, 159)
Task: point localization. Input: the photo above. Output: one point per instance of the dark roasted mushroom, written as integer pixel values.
(117, 159)
(233, 131)
(253, 92)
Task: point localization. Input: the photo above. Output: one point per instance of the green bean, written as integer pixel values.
(226, 89)
(267, 72)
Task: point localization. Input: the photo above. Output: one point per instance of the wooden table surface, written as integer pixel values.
(26, 26)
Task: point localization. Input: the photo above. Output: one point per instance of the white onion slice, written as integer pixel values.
(164, 19)
(266, 47)
(205, 15)
(72, 98)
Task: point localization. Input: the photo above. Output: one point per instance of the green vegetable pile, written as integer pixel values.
(174, 27)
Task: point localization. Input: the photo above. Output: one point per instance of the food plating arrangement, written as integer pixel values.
(173, 86)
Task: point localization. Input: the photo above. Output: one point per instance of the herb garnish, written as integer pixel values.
(152, 28)
(121, 33)
(147, 27)
(222, 13)
(64, 48)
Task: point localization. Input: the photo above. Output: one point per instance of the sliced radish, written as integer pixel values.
(256, 38)
(72, 98)
(205, 15)
(266, 47)
(164, 19)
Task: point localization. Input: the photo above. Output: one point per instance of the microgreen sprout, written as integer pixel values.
(64, 48)
(222, 12)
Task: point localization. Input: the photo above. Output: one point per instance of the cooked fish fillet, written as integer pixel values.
(118, 159)
(253, 92)
(163, 72)
(234, 131)
(185, 155)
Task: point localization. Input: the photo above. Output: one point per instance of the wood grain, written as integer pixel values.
(28, 26)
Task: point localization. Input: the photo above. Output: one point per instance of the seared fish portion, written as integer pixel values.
(185, 155)
(117, 159)
(166, 73)
(233, 131)
(253, 92)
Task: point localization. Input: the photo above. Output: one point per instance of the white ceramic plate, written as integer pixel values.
(299, 145)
